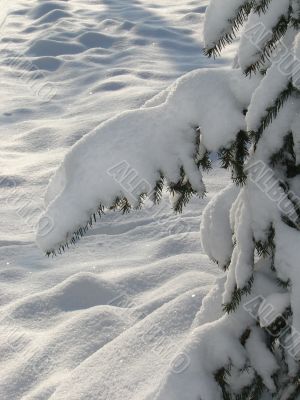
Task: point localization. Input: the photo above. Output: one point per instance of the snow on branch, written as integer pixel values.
(262, 34)
(222, 23)
(147, 149)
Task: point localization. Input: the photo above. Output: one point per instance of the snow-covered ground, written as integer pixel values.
(105, 320)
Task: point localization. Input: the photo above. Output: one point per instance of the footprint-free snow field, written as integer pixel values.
(105, 320)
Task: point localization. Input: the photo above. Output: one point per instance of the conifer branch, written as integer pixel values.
(272, 111)
(254, 391)
(283, 284)
(220, 377)
(266, 248)
(182, 191)
(294, 389)
(261, 6)
(156, 194)
(235, 23)
(78, 234)
(265, 53)
(205, 163)
(234, 157)
(237, 296)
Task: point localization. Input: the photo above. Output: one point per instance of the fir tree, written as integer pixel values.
(265, 215)
(257, 338)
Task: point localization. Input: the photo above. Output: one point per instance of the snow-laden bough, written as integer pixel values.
(126, 158)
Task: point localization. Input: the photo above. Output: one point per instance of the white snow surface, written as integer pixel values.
(105, 320)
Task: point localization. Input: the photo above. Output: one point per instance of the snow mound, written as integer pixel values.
(80, 335)
(80, 291)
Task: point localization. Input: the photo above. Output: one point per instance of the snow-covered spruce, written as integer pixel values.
(250, 115)
(137, 152)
